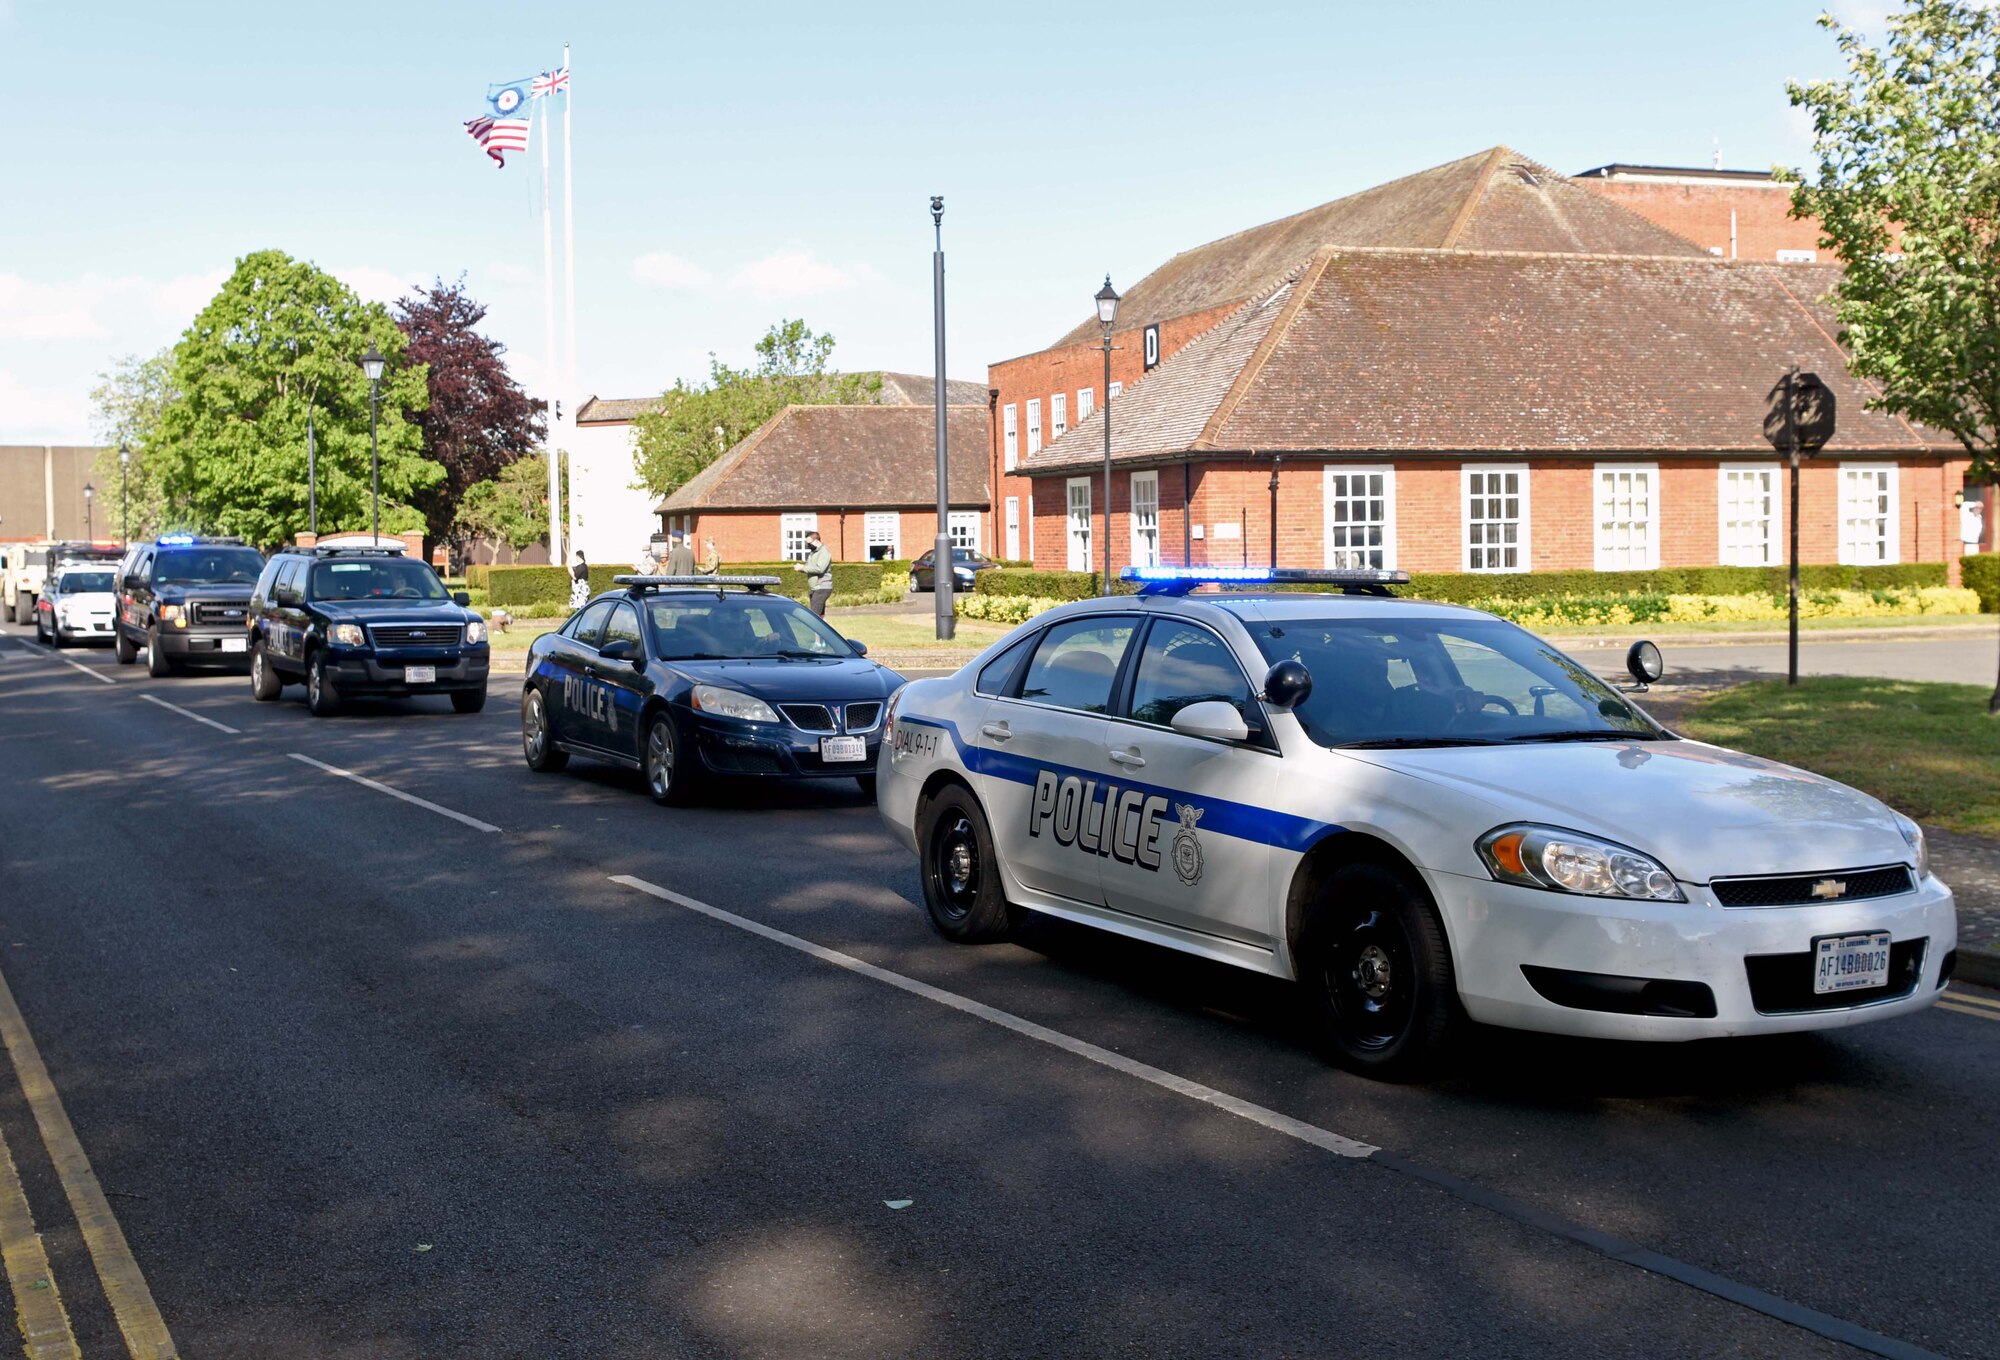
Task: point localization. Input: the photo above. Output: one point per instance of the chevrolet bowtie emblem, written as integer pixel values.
(1829, 887)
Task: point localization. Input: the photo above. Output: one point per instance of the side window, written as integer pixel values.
(1076, 663)
(624, 626)
(996, 675)
(588, 627)
(1182, 664)
(267, 580)
(143, 569)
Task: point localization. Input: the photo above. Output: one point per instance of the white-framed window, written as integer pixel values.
(1115, 388)
(1797, 256)
(1034, 427)
(1627, 500)
(963, 526)
(1079, 524)
(1868, 528)
(1145, 519)
(1013, 528)
(1496, 516)
(1059, 415)
(1360, 517)
(1086, 402)
(883, 530)
(1009, 451)
(1746, 497)
(792, 531)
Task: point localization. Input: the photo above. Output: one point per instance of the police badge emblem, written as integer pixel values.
(1187, 849)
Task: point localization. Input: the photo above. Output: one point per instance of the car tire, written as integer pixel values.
(56, 638)
(24, 605)
(1377, 973)
(660, 764)
(962, 889)
(122, 647)
(867, 784)
(158, 664)
(322, 695)
(538, 735)
(265, 682)
(468, 700)
(915, 589)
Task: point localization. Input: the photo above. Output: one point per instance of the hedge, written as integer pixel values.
(1982, 574)
(533, 592)
(1040, 585)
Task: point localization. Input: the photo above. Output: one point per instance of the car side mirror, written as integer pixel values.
(461, 599)
(860, 647)
(623, 649)
(1212, 718)
(1287, 684)
(1643, 662)
(285, 595)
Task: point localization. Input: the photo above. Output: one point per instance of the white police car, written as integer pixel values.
(1421, 812)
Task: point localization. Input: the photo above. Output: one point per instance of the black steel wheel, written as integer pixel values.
(1377, 971)
(660, 763)
(538, 736)
(962, 888)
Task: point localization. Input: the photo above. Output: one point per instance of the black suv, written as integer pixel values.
(363, 623)
(184, 599)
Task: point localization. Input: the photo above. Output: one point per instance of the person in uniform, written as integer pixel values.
(648, 562)
(680, 557)
(711, 560)
(818, 567)
(579, 580)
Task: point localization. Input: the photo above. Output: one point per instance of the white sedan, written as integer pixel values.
(77, 605)
(1422, 813)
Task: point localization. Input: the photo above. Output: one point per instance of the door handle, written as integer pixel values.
(1130, 759)
(997, 731)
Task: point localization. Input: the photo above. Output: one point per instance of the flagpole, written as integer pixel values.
(569, 274)
(556, 554)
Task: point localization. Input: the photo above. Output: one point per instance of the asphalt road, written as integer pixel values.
(360, 1078)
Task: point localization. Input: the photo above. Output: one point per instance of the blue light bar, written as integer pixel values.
(1180, 580)
(175, 540)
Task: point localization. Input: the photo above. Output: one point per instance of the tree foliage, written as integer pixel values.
(512, 507)
(229, 448)
(478, 420)
(1907, 193)
(126, 405)
(697, 422)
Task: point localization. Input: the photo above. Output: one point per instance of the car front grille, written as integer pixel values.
(1783, 983)
(860, 717)
(809, 717)
(220, 613)
(1795, 890)
(414, 634)
(864, 717)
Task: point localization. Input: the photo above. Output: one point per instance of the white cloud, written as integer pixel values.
(664, 269)
(795, 273)
(1868, 16)
(375, 285)
(42, 415)
(94, 306)
(189, 293)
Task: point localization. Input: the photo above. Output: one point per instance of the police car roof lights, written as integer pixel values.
(1181, 580)
(190, 540)
(756, 585)
(352, 550)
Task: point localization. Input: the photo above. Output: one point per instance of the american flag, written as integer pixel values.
(497, 135)
(548, 82)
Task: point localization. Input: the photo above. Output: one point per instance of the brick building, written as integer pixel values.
(1735, 214)
(1497, 411)
(41, 493)
(864, 476)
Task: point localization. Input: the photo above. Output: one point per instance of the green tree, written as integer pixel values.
(1907, 193)
(126, 405)
(513, 506)
(697, 422)
(229, 449)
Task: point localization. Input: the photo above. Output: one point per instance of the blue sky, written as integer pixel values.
(736, 164)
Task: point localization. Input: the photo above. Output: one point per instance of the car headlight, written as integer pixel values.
(1568, 861)
(1919, 850)
(170, 612)
(475, 631)
(730, 703)
(347, 635)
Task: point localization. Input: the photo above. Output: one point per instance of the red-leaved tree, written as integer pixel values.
(479, 419)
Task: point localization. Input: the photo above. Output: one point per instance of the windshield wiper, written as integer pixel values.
(1398, 743)
(699, 656)
(1599, 734)
(790, 653)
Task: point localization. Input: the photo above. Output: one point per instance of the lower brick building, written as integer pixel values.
(1496, 411)
(863, 476)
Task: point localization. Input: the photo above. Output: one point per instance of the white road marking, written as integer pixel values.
(187, 713)
(1193, 1090)
(379, 787)
(73, 665)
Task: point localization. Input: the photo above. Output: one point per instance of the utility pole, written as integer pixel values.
(943, 573)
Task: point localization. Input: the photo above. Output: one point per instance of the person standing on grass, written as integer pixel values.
(579, 581)
(680, 557)
(818, 567)
(648, 562)
(711, 560)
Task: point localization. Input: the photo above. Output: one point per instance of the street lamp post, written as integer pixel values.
(371, 364)
(1798, 420)
(944, 575)
(1107, 314)
(1276, 459)
(89, 524)
(124, 501)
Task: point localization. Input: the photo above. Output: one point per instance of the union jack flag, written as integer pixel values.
(497, 135)
(548, 82)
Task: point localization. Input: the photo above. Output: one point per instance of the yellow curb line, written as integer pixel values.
(145, 1331)
(1968, 999)
(1972, 1011)
(37, 1304)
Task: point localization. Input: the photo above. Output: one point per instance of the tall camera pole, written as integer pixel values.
(943, 575)
(1792, 448)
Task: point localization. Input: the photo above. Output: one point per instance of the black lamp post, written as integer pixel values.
(1107, 314)
(371, 364)
(124, 501)
(1798, 419)
(89, 525)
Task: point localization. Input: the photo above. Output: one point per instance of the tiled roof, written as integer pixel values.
(615, 410)
(1384, 351)
(857, 457)
(897, 389)
(1495, 200)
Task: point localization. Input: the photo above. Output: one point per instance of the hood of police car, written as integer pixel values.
(394, 611)
(1703, 811)
(789, 680)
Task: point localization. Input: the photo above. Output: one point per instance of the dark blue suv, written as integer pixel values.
(363, 623)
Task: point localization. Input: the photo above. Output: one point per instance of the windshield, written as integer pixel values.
(207, 566)
(84, 582)
(378, 578)
(1444, 682)
(694, 628)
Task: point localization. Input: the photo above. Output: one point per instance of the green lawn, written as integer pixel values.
(905, 632)
(1660, 630)
(1928, 750)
